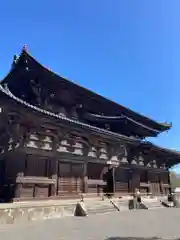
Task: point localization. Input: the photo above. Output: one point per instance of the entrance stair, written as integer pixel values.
(121, 204)
(98, 206)
(152, 203)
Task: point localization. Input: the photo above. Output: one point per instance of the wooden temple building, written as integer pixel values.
(58, 139)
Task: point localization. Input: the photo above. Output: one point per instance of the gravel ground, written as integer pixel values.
(134, 225)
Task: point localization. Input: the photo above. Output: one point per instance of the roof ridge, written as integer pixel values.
(165, 124)
(130, 113)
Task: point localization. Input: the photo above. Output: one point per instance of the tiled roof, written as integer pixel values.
(7, 92)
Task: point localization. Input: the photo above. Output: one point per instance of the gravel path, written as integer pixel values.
(135, 225)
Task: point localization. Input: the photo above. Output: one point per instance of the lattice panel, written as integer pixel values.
(69, 185)
(76, 185)
(155, 188)
(70, 178)
(64, 185)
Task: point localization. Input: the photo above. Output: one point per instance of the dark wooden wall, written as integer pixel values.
(122, 180)
(41, 162)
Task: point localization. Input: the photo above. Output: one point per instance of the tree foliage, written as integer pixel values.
(175, 179)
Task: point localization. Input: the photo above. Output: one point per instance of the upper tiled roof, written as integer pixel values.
(136, 117)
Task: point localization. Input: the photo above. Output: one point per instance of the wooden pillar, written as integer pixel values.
(26, 165)
(47, 170)
(55, 167)
(169, 182)
(54, 172)
(57, 177)
(130, 184)
(114, 180)
(2, 172)
(151, 181)
(18, 188)
(85, 178)
(158, 189)
(135, 179)
(160, 183)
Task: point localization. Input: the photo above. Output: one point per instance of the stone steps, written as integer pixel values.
(150, 204)
(122, 205)
(99, 207)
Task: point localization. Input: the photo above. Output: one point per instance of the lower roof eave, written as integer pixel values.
(172, 162)
(159, 148)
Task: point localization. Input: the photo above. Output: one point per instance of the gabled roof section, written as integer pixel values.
(25, 60)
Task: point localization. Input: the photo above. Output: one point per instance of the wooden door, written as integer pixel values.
(95, 174)
(76, 178)
(69, 178)
(155, 185)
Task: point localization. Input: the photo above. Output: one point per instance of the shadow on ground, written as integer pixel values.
(137, 238)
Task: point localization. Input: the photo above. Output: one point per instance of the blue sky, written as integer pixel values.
(127, 50)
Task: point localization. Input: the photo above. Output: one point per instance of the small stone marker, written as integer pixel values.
(80, 210)
(176, 201)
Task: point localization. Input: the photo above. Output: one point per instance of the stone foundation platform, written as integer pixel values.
(33, 211)
(21, 212)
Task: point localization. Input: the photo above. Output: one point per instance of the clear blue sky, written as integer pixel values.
(127, 50)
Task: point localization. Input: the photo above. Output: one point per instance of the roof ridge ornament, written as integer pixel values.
(25, 49)
(15, 60)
